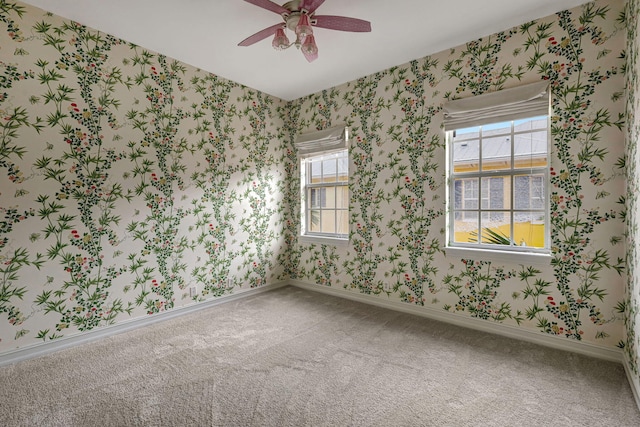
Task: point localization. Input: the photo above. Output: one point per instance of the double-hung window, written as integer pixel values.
(324, 184)
(498, 168)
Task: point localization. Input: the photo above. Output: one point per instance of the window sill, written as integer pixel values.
(524, 258)
(332, 241)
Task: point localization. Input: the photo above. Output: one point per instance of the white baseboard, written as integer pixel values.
(605, 353)
(48, 347)
(587, 349)
(634, 380)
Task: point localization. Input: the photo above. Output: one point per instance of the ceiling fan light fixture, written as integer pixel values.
(309, 48)
(299, 16)
(303, 29)
(280, 40)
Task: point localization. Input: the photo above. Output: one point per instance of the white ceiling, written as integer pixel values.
(205, 34)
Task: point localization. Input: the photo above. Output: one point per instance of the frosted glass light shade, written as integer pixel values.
(280, 40)
(309, 48)
(303, 29)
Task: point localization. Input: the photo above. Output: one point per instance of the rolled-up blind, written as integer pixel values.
(331, 139)
(508, 104)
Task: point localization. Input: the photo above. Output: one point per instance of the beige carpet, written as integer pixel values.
(291, 357)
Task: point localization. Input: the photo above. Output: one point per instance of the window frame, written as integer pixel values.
(307, 187)
(510, 173)
(315, 146)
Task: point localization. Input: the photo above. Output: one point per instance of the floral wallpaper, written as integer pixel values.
(129, 181)
(398, 218)
(632, 290)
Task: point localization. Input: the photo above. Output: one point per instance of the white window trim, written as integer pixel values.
(511, 173)
(506, 105)
(327, 141)
(323, 240)
(493, 255)
(303, 190)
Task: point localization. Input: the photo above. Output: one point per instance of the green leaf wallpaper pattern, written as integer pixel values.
(214, 118)
(398, 219)
(415, 164)
(135, 179)
(367, 194)
(129, 178)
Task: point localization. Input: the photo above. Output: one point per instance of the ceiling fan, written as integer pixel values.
(299, 16)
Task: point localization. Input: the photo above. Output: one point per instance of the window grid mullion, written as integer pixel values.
(512, 192)
(322, 187)
(479, 179)
(335, 209)
(508, 174)
(327, 184)
(320, 204)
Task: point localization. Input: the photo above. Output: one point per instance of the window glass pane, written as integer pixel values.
(328, 221)
(343, 222)
(537, 192)
(317, 197)
(329, 170)
(313, 223)
(466, 230)
(493, 193)
(495, 228)
(521, 192)
(342, 197)
(529, 229)
(328, 197)
(315, 171)
(466, 156)
(312, 198)
(499, 217)
(532, 123)
(529, 192)
(466, 133)
(470, 194)
(343, 168)
(496, 153)
(496, 129)
(484, 194)
(469, 215)
(530, 149)
(497, 199)
(457, 194)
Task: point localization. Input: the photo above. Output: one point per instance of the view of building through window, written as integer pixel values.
(326, 194)
(498, 178)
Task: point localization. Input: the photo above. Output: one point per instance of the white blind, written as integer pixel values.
(331, 139)
(508, 104)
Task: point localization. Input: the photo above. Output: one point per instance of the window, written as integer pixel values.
(498, 173)
(324, 182)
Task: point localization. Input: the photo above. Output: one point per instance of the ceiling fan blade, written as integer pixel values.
(260, 35)
(311, 5)
(342, 23)
(269, 5)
